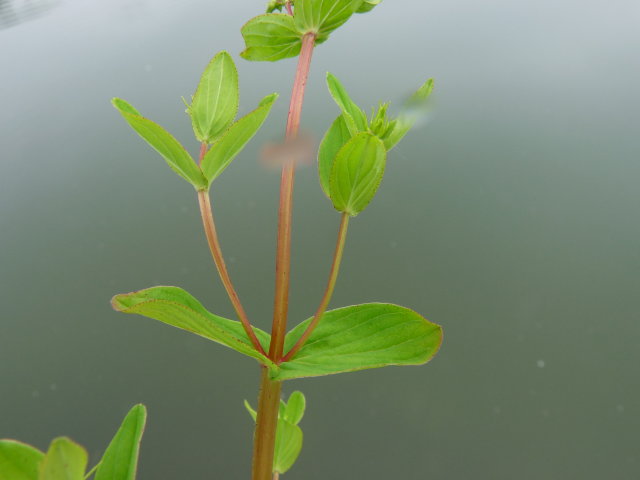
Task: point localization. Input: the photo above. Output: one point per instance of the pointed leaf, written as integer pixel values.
(271, 37)
(215, 103)
(356, 173)
(65, 460)
(164, 143)
(250, 409)
(411, 112)
(294, 410)
(335, 138)
(368, 5)
(120, 460)
(176, 307)
(288, 445)
(348, 106)
(362, 336)
(235, 138)
(323, 16)
(19, 461)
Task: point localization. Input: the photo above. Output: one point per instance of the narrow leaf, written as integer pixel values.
(164, 143)
(176, 307)
(335, 138)
(294, 410)
(251, 411)
(288, 445)
(19, 461)
(323, 16)
(362, 336)
(411, 113)
(65, 460)
(235, 138)
(271, 37)
(356, 173)
(215, 103)
(120, 460)
(348, 106)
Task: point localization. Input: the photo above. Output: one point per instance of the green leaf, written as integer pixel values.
(65, 460)
(251, 411)
(176, 307)
(288, 445)
(362, 336)
(164, 143)
(368, 5)
(323, 16)
(215, 103)
(120, 460)
(19, 461)
(235, 138)
(335, 138)
(410, 114)
(294, 410)
(271, 37)
(348, 106)
(356, 173)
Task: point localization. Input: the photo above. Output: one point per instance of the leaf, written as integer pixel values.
(294, 410)
(348, 106)
(410, 114)
(335, 138)
(271, 37)
(65, 460)
(215, 103)
(288, 445)
(19, 461)
(362, 336)
(250, 409)
(176, 307)
(356, 173)
(323, 16)
(368, 5)
(164, 143)
(120, 460)
(235, 138)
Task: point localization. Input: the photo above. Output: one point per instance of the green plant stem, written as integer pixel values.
(216, 252)
(326, 298)
(92, 471)
(269, 397)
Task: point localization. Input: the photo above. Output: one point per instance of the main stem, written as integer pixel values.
(331, 283)
(269, 397)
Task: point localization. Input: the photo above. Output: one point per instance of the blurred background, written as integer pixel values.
(510, 218)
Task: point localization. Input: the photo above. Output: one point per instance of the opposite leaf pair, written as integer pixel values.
(213, 111)
(66, 460)
(353, 152)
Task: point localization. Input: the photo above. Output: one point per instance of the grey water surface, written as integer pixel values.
(511, 218)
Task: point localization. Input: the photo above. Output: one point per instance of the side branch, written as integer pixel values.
(326, 298)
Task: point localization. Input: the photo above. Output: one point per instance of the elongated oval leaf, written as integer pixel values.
(176, 307)
(335, 138)
(411, 112)
(271, 37)
(235, 138)
(215, 103)
(164, 143)
(294, 410)
(323, 16)
(65, 460)
(356, 173)
(19, 461)
(120, 460)
(348, 106)
(362, 336)
(288, 445)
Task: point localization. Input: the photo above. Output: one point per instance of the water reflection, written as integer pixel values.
(14, 12)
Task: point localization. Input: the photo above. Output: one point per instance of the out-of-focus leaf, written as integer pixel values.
(271, 37)
(362, 336)
(356, 173)
(163, 142)
(176, 307)
(65, 460)
(120, 460)
(409, 115)
(368, 5)
(215, 103)
(235, 138)
(19, 461)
